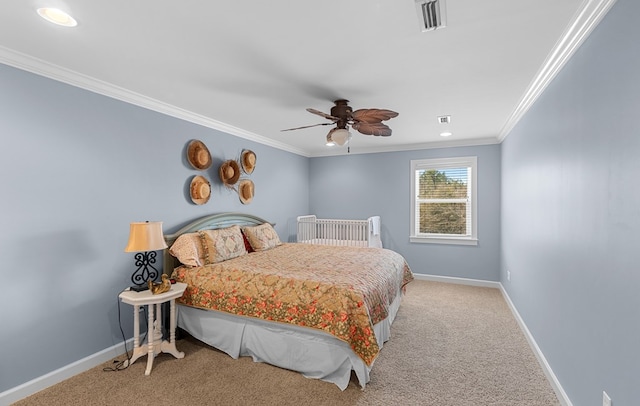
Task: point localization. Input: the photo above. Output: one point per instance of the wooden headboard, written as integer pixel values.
(211, 222)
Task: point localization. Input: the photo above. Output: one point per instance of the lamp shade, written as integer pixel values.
(145, 236)
(340, 136)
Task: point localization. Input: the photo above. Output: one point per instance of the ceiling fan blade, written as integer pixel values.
(307, 126)
(377, 129)
(373, 115)
(321, 114)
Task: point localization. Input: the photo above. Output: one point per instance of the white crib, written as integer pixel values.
(354, 233)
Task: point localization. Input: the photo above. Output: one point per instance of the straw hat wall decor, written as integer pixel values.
(229, 172)
(200, 190)
(198, 155)
(248, 161)
(246, 190)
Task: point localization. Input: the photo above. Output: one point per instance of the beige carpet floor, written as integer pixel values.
(450, 345)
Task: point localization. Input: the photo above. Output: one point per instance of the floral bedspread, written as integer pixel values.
(343, 291)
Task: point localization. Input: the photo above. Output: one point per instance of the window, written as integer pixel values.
(443, 200)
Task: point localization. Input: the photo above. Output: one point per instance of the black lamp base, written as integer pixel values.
(145, 272)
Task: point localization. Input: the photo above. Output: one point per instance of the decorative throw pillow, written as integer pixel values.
(222, 244)
(262, 237)
(188, 249)
(247, 244)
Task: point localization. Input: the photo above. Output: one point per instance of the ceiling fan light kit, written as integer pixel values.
(330, 142)
(339, 135)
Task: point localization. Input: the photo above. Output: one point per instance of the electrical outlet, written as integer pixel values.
(606, 400)
(508, 275)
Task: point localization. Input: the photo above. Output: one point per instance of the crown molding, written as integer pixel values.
(582, 24)
(73, 78)
(60, 74)
(337, 151)
(585, 20)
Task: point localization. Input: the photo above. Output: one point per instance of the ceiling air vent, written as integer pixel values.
(444, 119)
(432, 14)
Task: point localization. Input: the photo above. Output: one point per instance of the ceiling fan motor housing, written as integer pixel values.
(343, 112)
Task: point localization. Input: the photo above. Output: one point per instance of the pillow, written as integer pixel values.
(262, 237)
(222, 244)
(247, 244)
(188, 249)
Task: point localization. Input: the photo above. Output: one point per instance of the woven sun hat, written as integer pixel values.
(198, 155)
(248, 161)
(229, 172)
(246, 189)
(200, 190)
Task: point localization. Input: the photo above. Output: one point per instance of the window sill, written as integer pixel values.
(444, 240)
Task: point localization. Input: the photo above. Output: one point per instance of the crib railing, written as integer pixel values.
(312, 230)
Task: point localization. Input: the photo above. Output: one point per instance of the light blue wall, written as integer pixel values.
(75, 169)
(359, 186)
(571, 215)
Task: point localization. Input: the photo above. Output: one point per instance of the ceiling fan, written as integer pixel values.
(365, 121)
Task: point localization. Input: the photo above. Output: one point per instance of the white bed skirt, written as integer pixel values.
(311, 352)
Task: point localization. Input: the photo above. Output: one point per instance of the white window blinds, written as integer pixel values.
(443, 195)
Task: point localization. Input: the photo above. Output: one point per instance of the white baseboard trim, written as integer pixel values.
(460, 281)
(546, 368)
(35, 385)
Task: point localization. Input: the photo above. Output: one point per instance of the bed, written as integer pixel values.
(321, 310)
(354, 233)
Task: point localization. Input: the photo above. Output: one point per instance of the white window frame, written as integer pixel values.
(443, 163)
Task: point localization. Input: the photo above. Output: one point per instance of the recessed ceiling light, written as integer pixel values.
(445, 134)
(56, 16)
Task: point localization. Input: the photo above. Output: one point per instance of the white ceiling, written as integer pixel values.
(252, 67)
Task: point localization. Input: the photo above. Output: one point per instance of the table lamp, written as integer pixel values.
(145, 238)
